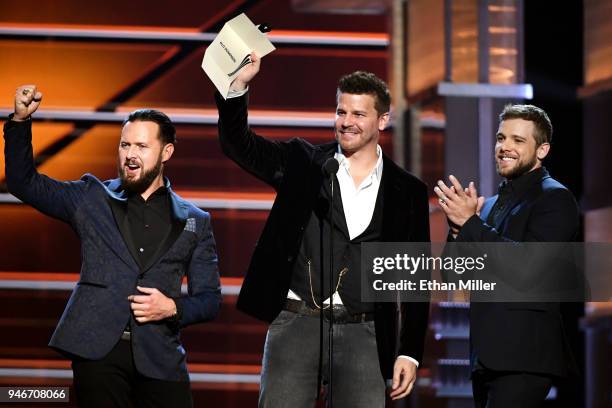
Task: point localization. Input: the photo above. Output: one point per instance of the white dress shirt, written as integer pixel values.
(358, 202)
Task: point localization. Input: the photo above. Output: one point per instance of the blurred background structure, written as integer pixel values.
(451, 64)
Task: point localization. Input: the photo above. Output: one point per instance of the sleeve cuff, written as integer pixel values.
(473, 223)
(237, 94)
(409, 358)
(176, 319)
(10, 123)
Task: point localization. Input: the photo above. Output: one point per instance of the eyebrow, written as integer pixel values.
(356, 111)
(512, 135)
(136, 143)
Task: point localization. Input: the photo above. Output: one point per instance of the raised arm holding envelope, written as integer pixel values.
(373, 341)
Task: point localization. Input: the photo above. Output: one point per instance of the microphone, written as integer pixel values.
(330, 167)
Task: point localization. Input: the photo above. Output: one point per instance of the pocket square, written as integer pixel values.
(190, 225)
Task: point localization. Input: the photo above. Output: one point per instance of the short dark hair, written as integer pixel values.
(361, 82)
(543, 126)
(167, 132)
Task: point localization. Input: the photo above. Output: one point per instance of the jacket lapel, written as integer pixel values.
(340, 222)
(327, 151)
(392, 191)
(180, 211)
(118, 203)
(487, 207)
(519, 198)
(323, 152)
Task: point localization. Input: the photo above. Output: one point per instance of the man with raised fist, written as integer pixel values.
(138, 239)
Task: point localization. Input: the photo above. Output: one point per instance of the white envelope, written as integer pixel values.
(231, 50)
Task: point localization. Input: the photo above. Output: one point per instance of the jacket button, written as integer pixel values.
(140, 275)
(290, 258)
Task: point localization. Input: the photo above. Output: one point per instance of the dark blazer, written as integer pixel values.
(293, 168)
(527, 337)
(98, 309)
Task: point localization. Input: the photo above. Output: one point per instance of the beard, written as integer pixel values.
(520, 169)
(139, 185)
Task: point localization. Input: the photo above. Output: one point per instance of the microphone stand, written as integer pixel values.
(331, 288)
(330, 169)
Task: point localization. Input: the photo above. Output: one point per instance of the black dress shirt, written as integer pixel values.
(150, 222)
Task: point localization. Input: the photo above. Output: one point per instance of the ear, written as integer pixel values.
(383, 121)
(542, 151)
(167, 151)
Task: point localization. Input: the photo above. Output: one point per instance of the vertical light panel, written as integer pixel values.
(425, 43)
(597, 43)
(503, 30)
(464, 41)
(486, 41)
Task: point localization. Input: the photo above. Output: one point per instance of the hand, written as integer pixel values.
(458, 204)
(454, 228)
(152, 307)
(404, 376)
(246, 74)
(27, 100)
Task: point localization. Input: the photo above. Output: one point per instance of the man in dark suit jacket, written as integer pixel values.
(379, 202)
(517, 349)
(138, 240)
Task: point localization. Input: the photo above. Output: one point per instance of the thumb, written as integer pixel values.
(256, 62)
(479, 204)
(396, 377)
(35, 102)
(145, 290)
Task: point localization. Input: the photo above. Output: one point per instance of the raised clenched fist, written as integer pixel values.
(27, 100)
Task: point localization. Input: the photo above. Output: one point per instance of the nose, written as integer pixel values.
(347, 120)
(503, 145)
(131, 152)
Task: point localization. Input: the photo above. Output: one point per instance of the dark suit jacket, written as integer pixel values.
(293, 168)
(98, 309)
(526, 337)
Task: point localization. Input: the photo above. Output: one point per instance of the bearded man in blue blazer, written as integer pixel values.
(139, 239)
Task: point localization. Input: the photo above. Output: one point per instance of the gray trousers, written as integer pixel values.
(291, 361)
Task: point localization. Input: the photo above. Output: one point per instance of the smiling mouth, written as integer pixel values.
(507, 159)
(349, 132)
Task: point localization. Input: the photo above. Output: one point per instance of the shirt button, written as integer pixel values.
(141, 249)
